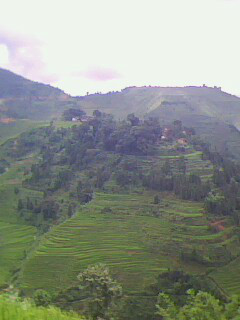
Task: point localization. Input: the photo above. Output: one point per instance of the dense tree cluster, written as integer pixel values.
(84, 157)
(186, 186)
(71, 113)
(98, 295)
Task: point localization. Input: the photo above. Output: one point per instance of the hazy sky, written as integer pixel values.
(105, 45)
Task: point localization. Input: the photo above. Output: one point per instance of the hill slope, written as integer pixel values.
(213, 113)
(21, 98)
(16, 86)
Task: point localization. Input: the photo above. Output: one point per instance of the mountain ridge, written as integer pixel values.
(213, 112)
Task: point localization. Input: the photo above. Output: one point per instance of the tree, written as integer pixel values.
(16, 190)
(97, 113)
(200, 306)
(133, 120)
(42, 298)
(72, 113)
(101, 289)
(20, 205)
(156, 199)
(70, 211)
(181, 165)
(166, 168)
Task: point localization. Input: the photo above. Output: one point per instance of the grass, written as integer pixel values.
(65, 124)
(15, 241)
(16, 238)
(194, 163)
(12, 130)
(11, 309)
(135, 238)
(228, 277)
(134, 243)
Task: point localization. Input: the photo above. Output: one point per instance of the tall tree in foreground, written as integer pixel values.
(101, 289)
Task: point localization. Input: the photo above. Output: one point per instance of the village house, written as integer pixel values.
(182, 141)
(167, 134)
(84, 118)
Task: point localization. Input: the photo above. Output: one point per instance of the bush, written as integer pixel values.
(42, 298)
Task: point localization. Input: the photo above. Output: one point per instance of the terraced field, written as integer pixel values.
(15, 241)
(228, 277)
(134, 237)
(15, 237)
(194, 163)
(13, 129)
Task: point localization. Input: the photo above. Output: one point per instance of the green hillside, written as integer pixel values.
(21, 98)
(203, 101)
(13, 129)
(13, 309)
(212, 112)
(16, 86)
(136, 245)
(143, 195)
(118, 222)
(16, 236)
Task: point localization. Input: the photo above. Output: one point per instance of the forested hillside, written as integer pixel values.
(15, 86)
(21, 98)
(212, 112)
(121, 205)
(142, 197)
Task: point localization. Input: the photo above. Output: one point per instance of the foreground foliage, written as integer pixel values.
(200, 306)
(101, 289)
(16, 310)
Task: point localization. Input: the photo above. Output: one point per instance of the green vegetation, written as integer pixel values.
(133, 194)
(123, 176)
(102, 291)
(135, 237)
(201, 305)
(227, 277)
(13, 85)
(214, 114)
(16, 237)
(12, 309)
(13, 129)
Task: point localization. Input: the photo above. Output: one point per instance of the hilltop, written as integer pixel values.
(191, 100)
(16, 86)
(213, 113)
(21, 98)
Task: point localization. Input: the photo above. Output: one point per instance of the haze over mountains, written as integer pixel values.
(214, 113)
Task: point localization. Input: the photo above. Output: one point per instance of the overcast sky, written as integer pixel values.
(103, 45)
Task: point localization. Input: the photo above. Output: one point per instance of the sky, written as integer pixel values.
(93, 46)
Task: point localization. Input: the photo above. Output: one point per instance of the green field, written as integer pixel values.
(134, 243)
(11, 130)
(228, 277)
(12, 309)
(134, 237)
(16, 238)
(193, 161)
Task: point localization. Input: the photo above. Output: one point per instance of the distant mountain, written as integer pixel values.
(214, 113)
(168, 102)
(15, 86)
(26, 99)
